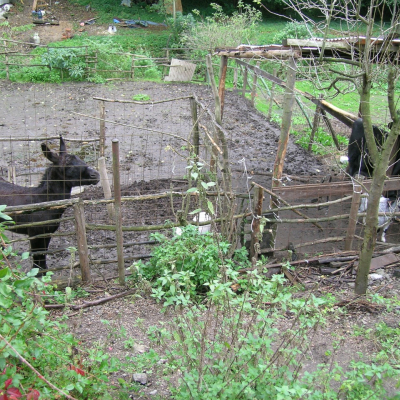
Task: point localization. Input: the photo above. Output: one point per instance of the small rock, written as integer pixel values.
(382, 272)
(375, 277)
(153, 392)
(141, 378)
(140, 348)
(162, 361)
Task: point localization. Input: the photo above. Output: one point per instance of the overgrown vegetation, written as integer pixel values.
(231, 346)
(220, 29)
(183, 266)
(39, 358)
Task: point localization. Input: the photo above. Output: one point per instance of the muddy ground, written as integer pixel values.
(40, 111)
(151, 160)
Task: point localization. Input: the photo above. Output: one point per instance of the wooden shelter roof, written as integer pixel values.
(348, 48)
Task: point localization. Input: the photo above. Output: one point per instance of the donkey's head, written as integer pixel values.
(70, 169)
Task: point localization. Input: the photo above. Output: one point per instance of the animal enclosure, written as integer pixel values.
(155, 148)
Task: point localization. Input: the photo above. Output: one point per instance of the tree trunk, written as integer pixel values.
(381, 161)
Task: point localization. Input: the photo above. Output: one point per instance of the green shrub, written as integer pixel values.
(293, 30)
(187, 262)
(32, 341)
(220, 30)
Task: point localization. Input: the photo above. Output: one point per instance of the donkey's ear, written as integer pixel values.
(63, 147)
(53, 157)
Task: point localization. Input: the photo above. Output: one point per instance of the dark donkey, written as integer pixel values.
(67, 171)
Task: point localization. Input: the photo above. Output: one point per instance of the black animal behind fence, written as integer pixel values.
(66, 172)
(358, 154)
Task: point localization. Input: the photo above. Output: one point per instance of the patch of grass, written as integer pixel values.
(22, 28)
(107, 10)
(323, 142)
(141, 97)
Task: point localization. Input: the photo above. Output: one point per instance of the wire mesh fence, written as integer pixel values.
(157, 144)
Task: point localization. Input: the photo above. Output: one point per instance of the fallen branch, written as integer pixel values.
(91, 303)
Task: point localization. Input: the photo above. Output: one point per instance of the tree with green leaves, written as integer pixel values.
(373, 65)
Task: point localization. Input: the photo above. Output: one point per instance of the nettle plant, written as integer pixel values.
(183, 266)
(233, 346)
(38, 357)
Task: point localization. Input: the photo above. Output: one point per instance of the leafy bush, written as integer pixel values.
(36, 349)
(230, 347)
(294, 30)
(180, 24)
(221, 30)
(70, 60)
(185, 263)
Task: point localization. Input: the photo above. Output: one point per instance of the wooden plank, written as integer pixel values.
(343, 44)
(383, 261)
(266, 54)
(299, 192)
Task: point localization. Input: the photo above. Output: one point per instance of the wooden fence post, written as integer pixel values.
(284, 136)
(271, 99)
(218, 116)
(235, 78)
(195, 122)
(222, 78)
(351, 229)
(12, 175)
(286, 123)
(255, 231)
(254, 86)
(102, 143)
(315, 123)
(133, 67)
(105, 184)
(79, 213)
(118, 214)
(244, 82)
(6, 61)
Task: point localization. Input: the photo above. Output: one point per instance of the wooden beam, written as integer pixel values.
(298, 192)
(344, 45)
(267, 54)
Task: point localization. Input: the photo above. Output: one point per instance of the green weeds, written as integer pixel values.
(36, 349)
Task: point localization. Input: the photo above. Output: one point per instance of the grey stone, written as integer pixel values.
(140, 378)
(140, 348)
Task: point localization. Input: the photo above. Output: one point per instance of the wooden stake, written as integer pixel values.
(286, 123)
(105, 184)
(284, 137)
(254, 86)
(255, 232)
(244, 82)
(351, 229)
(118, 214)
(195, 129)
(102, 128)
(218, 116)
(222, 78)
(83, 251)
(315, 123)
(271, 99)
